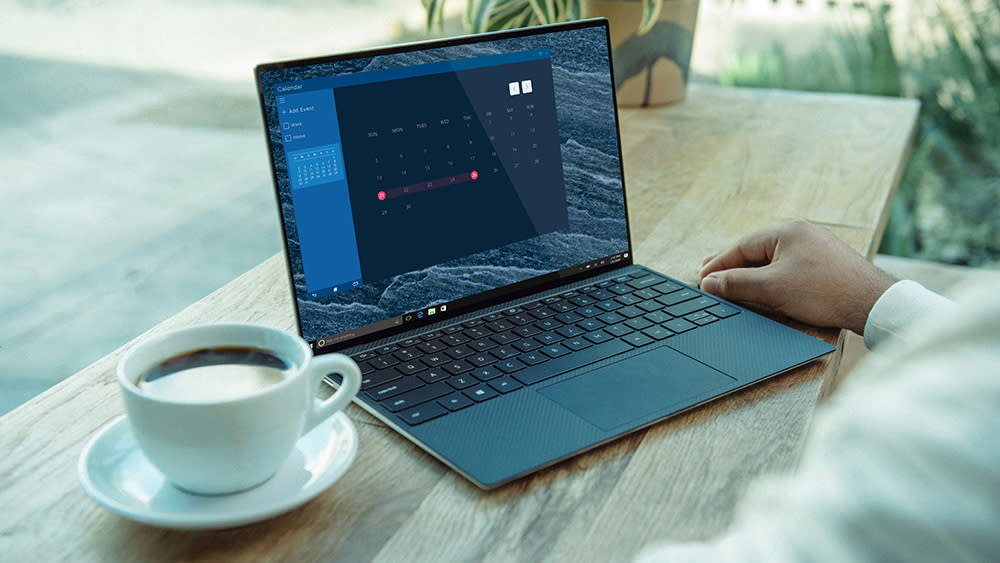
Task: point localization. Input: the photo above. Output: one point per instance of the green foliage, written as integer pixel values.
(493, 15)
(947, 207)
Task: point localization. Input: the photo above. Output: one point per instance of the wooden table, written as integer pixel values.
(699, 175)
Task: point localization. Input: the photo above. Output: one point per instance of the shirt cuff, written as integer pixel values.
(901, 304)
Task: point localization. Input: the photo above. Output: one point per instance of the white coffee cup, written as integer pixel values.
(214, 444)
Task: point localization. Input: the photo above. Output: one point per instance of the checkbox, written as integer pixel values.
(514, 88)
(288, 138)
(526, 86)
(284, 125)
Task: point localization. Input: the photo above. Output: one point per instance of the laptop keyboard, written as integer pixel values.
(428, 376)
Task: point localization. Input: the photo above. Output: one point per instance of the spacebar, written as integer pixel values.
(572, 361)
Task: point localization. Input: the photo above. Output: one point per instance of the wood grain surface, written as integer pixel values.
(699, 175)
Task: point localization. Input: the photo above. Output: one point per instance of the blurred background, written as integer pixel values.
(134, 176)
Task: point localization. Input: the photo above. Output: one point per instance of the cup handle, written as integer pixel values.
(319, 368)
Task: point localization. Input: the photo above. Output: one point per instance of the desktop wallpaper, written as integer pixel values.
(588, 145)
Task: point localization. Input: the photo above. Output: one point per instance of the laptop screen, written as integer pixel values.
(426, 180)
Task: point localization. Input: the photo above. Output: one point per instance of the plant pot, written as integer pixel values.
(650, 69)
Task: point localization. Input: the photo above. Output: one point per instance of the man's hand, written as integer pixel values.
(801, 270)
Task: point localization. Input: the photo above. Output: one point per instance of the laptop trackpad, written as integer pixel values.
(655, 383)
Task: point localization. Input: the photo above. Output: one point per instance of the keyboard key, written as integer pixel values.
(667, 287)
(410, 368)
(638, 323)
(618, 329)
(646, 294)
(527, 345)
(548, 338)
(569, 362)
(377, 378)
(679, 325)
(403, 385)
(554, 351)
(417, 397)
(455, 402)
(691, 306)
(619, 289)
(493, 317)
(510, 365)
(473, 323)
(658, 332)
(365, 368)
(423, 413)
(569, 318)
(646, 281)
(562, 307)
(478, 332)
(431, 336)
(431, 347)
(521, 319)
(657, 317)
(457, 367)
(434, 360)
(543, 313)
(578, 343)
(383, 362)
(638, 339)
(480, 393)
(480, 360)
(570, 331)
(589, 311)
(505, 384)
(548, 324)
(505, 352)
(627, 299)
(526, 331)
(500, 326)
(650, 306)
(407, 354)
(513, 311)
(452, 329)
(677, 297)
(364, 356)
(433, 375)
(605, 283)
(532, 306)
(486, 373)
(505, 338)
(602, 295)
(482, 345)
(722, 310)
(582, 300)
(454, 339)
(630, 311)
(462, 381)
(459, 352)
(533, 358)
(705, 320)
(609, 305)
(598, 336)
(387, 349)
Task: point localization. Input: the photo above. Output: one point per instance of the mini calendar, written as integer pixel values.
(318, 165)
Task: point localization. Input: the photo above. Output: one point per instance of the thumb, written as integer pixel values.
(741, 284)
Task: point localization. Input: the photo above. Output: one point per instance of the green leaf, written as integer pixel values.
(650, 13)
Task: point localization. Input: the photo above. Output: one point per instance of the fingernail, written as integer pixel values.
(709, 284)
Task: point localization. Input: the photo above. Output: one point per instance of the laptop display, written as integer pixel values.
(413, 181)
(455, 220)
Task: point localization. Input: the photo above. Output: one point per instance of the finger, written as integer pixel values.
(753, 250)
(742, 284)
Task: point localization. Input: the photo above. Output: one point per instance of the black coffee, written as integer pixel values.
(213, 374)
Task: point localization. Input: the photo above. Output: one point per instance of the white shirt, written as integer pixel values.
(903, 461)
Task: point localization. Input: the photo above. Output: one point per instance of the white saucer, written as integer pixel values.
(116, 474)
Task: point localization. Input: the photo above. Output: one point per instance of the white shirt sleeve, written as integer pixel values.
(902, 464)
(898, 307)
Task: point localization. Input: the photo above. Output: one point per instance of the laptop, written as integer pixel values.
(455, 220)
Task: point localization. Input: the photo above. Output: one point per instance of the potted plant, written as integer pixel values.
(651, 38)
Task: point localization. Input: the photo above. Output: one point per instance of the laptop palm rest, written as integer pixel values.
(645, 386)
